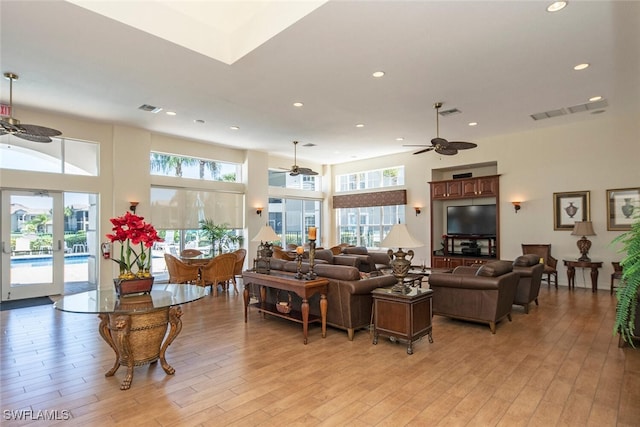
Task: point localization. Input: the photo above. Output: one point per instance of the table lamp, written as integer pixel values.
(265, 250)
(399, 237)
(583, 228)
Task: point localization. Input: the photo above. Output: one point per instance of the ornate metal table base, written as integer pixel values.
(137, 338)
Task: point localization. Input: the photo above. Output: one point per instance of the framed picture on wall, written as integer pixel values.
(569, 208)
(623, 204)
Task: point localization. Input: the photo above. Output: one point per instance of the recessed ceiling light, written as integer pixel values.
(595, 98)
(473, 123)
(298, 104)
(581, 66)
(399, 138)
(359, 125)
(199, 121)
(234, 127)
(171, 113)
(597, 112)
(378, 74)
(556, 6)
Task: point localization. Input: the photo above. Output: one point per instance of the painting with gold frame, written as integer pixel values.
(623, 204)
(568, 208)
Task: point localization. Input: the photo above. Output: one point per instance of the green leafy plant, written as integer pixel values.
(628, 294)
(220, 234)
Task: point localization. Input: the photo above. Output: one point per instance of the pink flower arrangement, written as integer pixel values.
(131, 230)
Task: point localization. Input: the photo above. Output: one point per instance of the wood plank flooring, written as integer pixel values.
(557, 366)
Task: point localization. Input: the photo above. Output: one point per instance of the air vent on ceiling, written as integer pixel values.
(449, 112)
(150, 108)
(309, 144)
(590, 106)
(548, 114)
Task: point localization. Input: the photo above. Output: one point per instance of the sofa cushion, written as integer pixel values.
(355, 250)
(495, 269)
(325, 255)
(526, 260)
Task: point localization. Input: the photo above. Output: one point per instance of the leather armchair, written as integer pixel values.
(530, 270)
(482, 294)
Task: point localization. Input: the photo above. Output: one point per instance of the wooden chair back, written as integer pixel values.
(240, 254)
(179, 272)
(550, 263)
(218, 271)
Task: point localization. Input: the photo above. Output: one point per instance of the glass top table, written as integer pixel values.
(135, 326)
(107, 301)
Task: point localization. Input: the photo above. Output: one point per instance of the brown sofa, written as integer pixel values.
(530, 270)
(348, 299)
(481, 294)
(369, 261)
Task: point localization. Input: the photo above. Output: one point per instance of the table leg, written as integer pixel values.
(103, 328)
(175, 313)
(323, 314)
(305, 318)
(119, 327)
(245, 296)
(571, 275)
(594, 278)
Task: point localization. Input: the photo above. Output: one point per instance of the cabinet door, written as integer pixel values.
(454, 189)
(439, 190)
(439, 262)
(487, 186)
(455, 262)
(470, 261)
(469, 187)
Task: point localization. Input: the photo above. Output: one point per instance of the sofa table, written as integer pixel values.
(303, 288)
(135, 326)
(402, 316)
(571, 265)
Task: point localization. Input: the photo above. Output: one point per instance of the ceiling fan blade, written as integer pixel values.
(307, 171)
(424, 151)
(439, 141)
(34, 138)
(461, 145)
(446, 151)
(39, 130)
(416, 145)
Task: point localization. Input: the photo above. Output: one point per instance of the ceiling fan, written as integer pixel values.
(295, 169)
(441, 145)
(11, 126)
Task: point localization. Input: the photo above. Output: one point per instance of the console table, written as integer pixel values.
(301, 287)
(402, 316)
(135, 326)
(571, 271)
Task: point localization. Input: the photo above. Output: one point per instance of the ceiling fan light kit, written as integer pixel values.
(441, 145)
(11, 126)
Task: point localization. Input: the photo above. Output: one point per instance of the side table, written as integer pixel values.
(571, 271)
(405, 317)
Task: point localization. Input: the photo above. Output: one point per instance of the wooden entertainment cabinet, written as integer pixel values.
(479, 190)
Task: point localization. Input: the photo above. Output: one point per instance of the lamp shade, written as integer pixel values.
(583, 228)
(399, 237)
(266, 234)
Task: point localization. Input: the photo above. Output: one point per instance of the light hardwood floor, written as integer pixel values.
(559, 365)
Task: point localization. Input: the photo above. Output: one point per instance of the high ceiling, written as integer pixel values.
(245, 63)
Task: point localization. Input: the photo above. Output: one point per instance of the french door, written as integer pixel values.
(32, 244)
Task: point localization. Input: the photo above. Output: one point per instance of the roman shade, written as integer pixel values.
(378, 198)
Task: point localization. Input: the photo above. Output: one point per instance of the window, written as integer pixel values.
(291, 218)
(194, 168)
(367, 226)
(61, 155)
(378, 178)
(282, 179)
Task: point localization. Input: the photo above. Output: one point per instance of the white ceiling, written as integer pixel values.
(498, 62)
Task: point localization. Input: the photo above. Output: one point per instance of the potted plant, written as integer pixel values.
(629, 294)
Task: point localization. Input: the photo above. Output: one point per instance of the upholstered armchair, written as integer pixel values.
(482, 294)
(544, 251)
(530, 271)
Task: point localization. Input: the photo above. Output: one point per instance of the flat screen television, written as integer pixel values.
(472, 220)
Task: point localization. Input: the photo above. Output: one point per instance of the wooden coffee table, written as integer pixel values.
(303, 288)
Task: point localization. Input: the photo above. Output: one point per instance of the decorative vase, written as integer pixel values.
(136, 286)
(627, 208)
(571, 210)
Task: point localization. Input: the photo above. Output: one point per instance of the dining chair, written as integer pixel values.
(616, 275)
(180, 272)
(237, 269)
(218, 271)
(544, 252)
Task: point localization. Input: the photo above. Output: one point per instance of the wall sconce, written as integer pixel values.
(259, 211)
(418, 210)
(132, 206)
(516, 206)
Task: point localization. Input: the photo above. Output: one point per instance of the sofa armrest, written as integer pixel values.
(365, 286)
(351, 261)
(465, 270)
(380, 258)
